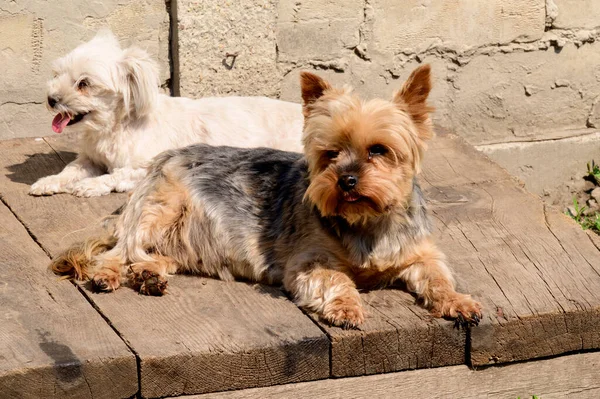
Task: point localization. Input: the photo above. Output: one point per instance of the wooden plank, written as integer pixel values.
(535, 271)
(450, 161)
(56, 221)
(206, 335)
(574, 376)
(397, 335)
(53, 343)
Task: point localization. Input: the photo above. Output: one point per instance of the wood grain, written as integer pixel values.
(535, 271)
(206, 335)
(573, 377)
(56, 221)
(53, 344)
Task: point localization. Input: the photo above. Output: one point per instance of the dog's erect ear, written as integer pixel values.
(312, 87)
(413, 99)
(140, 92)
(106, 36)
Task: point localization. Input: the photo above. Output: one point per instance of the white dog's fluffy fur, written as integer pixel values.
(125, 121)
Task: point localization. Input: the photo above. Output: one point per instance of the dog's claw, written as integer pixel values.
(100, 286)
(462, 322)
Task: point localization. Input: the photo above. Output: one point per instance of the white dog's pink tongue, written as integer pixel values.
(60, 122)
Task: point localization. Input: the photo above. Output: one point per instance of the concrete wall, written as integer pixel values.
(34, 33)
(516, 78)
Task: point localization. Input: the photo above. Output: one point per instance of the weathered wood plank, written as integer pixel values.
(53, 343)
(574, 376)
(206, 335)
(450, 161)
(396, 335)
(58, 220)
(535, 271)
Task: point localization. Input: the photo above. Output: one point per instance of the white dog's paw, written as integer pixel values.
(48, 185)
(90, 187)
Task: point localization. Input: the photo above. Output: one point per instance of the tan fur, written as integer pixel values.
(75, 263)
(371, 235)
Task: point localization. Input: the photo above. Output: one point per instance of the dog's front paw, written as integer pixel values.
(463, 309)
(345, 312)
(47, 186)
(90, 187)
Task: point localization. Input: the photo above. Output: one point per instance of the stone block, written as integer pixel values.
(320, 40)
(415, 25)
(521, 96)
(545, 166)
(574, 14)
(309, 10)
(227, 48)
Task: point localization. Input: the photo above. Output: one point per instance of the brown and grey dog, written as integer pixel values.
(346, 215)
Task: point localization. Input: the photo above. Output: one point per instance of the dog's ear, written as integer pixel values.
(106, 37)
(412, 98)
(140, 90)
(312, 87)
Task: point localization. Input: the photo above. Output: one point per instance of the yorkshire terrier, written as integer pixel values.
(346, 215)
(111, 96)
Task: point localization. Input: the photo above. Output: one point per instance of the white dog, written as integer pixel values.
(112, 97)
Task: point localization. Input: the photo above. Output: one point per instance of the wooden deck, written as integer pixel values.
(535, 271)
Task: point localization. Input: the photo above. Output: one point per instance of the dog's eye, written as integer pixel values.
(377, 149)
(332, 154)
(82, 84)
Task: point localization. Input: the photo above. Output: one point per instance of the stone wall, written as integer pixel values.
(519, 79)
(35, 33)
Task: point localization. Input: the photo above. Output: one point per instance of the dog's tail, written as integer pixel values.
(77, 262)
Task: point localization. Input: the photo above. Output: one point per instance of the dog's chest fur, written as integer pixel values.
(379, 244)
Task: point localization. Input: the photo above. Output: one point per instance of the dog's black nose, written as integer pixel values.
(347, 182)
(52, 101)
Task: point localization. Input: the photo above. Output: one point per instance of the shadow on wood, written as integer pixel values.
(28, 171)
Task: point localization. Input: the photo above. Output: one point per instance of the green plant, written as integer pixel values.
(591, 222)
(578, 214)
(594, 171)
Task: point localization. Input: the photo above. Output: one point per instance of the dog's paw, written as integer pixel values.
(147, 282)
(105, 282)
(47, 186)
(345, 312)
(90, 187)
(464, 310)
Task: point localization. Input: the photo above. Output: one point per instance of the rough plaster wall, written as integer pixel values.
(34, 33)
(506, 72)
(227, 44)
